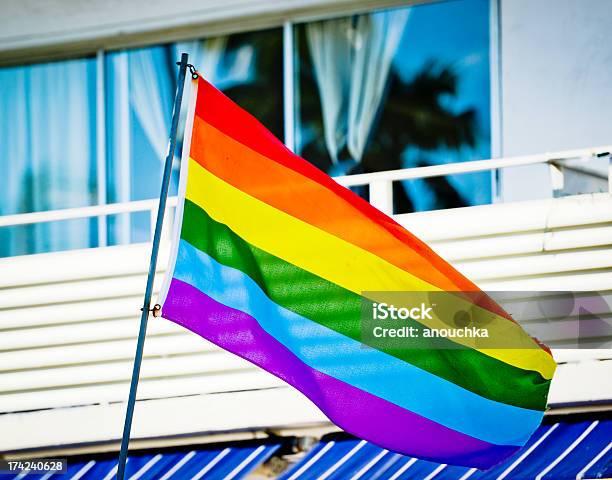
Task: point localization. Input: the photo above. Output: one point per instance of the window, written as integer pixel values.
(399, 88)
(47, 152)
(383, 90)
(49, 126)
(140, 87)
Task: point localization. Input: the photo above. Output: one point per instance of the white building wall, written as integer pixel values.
(556, 83)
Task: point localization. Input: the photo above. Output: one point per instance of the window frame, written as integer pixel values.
(290, 108)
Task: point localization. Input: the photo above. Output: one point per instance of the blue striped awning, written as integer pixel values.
(559, 451)
(232, 462)
(564, 450)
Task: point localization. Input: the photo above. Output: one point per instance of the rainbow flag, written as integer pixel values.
(271, 258)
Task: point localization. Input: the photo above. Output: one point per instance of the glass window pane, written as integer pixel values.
(140, 88)
(248, 68)
(48, 152)
(399, 88)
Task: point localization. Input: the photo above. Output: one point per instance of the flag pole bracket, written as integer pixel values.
(192, 70)
(155, 311)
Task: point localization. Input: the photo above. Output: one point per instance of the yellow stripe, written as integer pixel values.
(343, 263)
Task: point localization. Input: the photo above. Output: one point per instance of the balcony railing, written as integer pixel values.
(380, 185)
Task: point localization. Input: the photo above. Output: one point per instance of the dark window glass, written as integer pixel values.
(399, 88)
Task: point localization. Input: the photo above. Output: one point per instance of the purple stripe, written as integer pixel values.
(355, 411)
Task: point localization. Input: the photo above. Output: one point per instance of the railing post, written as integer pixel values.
(381, 195)
(556, 179)
(610, 174)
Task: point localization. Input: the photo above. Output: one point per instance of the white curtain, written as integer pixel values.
(47, 158)
(352, 61)
(118, 138)
(331, 53)
(150, 91)
(216, 63)
(152, 88)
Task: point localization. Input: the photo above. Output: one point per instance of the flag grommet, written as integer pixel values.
(156, 310)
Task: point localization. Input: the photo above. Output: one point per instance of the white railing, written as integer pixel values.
(93, 211)
(380, 185)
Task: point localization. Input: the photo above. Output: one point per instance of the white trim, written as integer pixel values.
(471, 166)
(245, 462)
(505, 473)
(343, 460)
(312, 461)
(178, 465)
(596, 458)
(289, 86)
(211, 464)
(84, 212)
(170, 26)
(146, 467)
(369, 465)
(178, 215)
(406, 466)
(568, 450)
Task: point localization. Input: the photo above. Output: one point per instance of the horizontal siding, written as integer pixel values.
(68, 321)
(548, 245)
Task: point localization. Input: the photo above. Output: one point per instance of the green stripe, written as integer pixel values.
(339, 309)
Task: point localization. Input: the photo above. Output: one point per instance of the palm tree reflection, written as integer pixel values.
(415, 117)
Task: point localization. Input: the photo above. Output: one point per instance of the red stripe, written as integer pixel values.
(219, 111)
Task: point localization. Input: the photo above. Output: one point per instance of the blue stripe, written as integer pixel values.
(351, 362)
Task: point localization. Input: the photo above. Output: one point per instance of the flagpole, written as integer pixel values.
(152, 266)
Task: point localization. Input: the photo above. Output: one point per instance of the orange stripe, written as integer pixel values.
(307, 200)
(219, 111)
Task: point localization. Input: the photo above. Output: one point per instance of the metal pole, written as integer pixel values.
(289, 85)
(152, 266)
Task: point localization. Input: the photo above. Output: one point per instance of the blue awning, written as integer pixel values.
(559, 451)
(231, 462)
